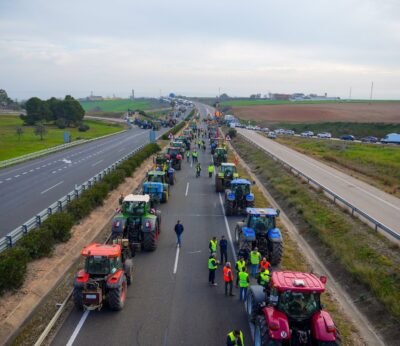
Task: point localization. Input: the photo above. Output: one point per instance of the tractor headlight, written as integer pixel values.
(231, 196)
(250, 197)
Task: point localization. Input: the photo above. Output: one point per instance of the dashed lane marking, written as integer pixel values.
(187, 189)
(52, 187)
(96, 163)
(78, 328)
(176, 259)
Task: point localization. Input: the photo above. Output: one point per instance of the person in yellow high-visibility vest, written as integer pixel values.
(255, 258)
(263, 277)
(235, 338)
(210, 170)
(212, 245)
(212, 267)
(243, 284)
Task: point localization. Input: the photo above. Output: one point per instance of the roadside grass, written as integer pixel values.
(247, 102)
(377, 165)
(337, 129)
(120, 105)
(361, 253)
(294, 260)
(11, 146)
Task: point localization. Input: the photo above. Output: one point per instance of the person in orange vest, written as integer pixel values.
(228, 278)
(264, 264)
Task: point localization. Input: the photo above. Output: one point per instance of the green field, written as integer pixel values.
(259, 102)
(11, 146)
(337, 129)
(377, 165)
(120, 105)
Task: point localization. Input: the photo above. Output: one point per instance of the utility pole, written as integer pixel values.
(350, 94)
(219, 93)
(372, 89)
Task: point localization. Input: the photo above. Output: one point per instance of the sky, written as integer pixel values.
(199, 47)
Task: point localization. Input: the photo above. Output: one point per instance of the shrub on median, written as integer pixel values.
(37, 243)
(60, 225)
(12, 268)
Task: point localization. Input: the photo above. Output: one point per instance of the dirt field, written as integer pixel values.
(356, 112)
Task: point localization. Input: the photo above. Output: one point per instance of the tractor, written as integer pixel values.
(226, 173)
(259, 230)
(289, 311)
(156, 186)
(238, 197)
(107, 273)
(185, 140)
(188, 132)
(174, 154)
(162, 163)
(220, 155)
(179, 144)
(138, 222)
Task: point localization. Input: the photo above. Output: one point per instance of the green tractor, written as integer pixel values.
(138, 222)
(220, 155)
(226, 173)
(157, 186)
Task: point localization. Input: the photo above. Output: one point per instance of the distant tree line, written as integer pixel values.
(6, 102)
(64, 113)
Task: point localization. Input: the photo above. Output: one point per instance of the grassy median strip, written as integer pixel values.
(377, 165)
(40, 242)
(360, 252)
(293, 259)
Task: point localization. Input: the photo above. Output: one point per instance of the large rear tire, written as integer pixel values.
(261, 336)
(77, 296)
(229, 210)
(128, 268)
(218, 185)
(117, 296)
(171, 180)
(150, 240)
(275, 253)
(251, 308)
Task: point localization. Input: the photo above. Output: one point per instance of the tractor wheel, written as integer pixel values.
(128, 269)
(275, 253)
(179, 166)
(77, 296)
(251, 307)
(150, 240)
(237, 235)
(229, 210)
(261, 335)
(117, 296)
(171, 180)
(218, 185)
(164, 198)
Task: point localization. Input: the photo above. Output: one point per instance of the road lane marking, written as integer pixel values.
(96, 163)
(192, 252)
(228, 230)
(187, 189)
(16, 176)
(24, 173)
(176, 259)
(8, 179)
(52, 187)
(78, 328)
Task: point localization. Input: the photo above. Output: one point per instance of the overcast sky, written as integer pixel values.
(193, 47)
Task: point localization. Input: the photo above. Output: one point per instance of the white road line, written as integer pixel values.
(1, 182)
(52, 187)
(37, 168)
(16, 176)
(192, 252)
(31, 170)
(8, 179)
(228, 230)
(24, 173)
(54, 172)
(176, 259)
(187, 189)
(78, 328)
(121, 150)
(96, 163)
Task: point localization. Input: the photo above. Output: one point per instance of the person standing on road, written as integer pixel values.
(240, 264)
(210, 170)
(223, 249)
(188, 156)
(179, 230)
(198, 170)
(212, 267)
(255, 258)
(243, 284)
(264, 264)
(212, 245)
(235, 338)
(263, 277)
(228, 278)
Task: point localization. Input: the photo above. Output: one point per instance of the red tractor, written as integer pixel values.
(107, 273)
(289, 312)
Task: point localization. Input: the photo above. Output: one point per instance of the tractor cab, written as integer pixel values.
(220, 155)
(228, 171)
(136, 205)
(156, 177)
(180, 145)
(157, 186)
(261, 220)
(174, 154)
(238, 197)
(240, 187)
(102, 260)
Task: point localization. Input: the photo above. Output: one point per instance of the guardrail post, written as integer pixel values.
(352, 211)
(376, 227)
(76, 192)
(38, 220)
(59, 205)
(9, 241)
(49, 211)
(24, 229)
(68, 198)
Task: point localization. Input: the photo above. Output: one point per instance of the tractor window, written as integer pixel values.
(262, 223)
(243, 190)
(133, 207)
(299, 305)
(155, 178)
(97, 265)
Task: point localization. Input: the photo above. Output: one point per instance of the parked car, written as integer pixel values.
(265, 129)
(272, 135)
(324, 135)
(391, 138)
(289, 132)
(369, 139)
(347, 138)
(307, 134)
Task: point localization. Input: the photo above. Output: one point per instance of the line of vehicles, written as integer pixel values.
(391, 138)
(287, 311)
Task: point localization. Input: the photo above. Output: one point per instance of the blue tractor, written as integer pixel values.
(238, 197)
(259, 230)
(156, 187)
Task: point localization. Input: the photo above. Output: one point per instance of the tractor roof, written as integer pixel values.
(261, 211)
(154, 172)
(240, 182)
(96, 249)
(227, 164)
(297, 282)
(137, 198)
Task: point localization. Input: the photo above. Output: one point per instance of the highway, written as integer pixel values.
(381, 206)
(170, 301)
(29, 187)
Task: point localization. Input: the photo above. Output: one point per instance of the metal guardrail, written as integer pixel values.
(336, 197)
(39, 153)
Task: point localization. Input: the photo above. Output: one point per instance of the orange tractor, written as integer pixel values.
(107, 273)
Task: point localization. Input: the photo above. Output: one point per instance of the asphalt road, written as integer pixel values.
(170, 301)
(30, 187)
(381, 206)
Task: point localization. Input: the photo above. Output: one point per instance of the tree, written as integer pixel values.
(36, 110)
(40, 130)
(73, 111)
(19, 131)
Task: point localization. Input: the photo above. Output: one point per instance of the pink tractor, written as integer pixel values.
(289, 312)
